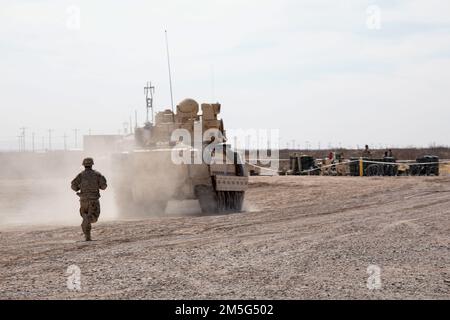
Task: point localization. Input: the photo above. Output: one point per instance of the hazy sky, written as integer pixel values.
(339, 72)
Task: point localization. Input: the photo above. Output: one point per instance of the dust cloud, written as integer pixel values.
(149, 184)
(35, 188)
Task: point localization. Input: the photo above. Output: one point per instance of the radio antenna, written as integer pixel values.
(170, 74)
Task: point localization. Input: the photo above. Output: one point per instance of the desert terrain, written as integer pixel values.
(300, 238)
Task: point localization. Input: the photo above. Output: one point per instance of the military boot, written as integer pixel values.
(86, 227)
(87, 234)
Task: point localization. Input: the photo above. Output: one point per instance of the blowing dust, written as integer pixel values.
(149, 184)
(35, 188)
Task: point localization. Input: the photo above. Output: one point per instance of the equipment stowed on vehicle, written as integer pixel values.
(302, 165)
(374, 166)
(147, 177)
(426, 166)
(388, 166)
(334, 165)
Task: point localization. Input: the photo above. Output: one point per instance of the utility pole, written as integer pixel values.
(76, 137)
(148, 91)
(50, 139)
(43, 143)
(65, 141)
(20, 142)
(135, 120)
(213, 93)
(23, 138)
(131, 126)
(170, 73)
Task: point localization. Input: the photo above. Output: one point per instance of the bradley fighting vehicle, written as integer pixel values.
(182, 155)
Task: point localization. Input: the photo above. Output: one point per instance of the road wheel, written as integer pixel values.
(374, 170)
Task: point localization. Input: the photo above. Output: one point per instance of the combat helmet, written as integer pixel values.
(88, 162)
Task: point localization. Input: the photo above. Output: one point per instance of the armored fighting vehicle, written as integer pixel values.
(179, 156)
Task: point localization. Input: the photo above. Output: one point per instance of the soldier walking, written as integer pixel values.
(87, 185)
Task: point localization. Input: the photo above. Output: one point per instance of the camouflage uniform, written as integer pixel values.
(366, 154)
(88, 183)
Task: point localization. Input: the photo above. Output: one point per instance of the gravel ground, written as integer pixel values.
(301, 238)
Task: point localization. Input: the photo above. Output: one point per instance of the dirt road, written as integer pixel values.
(302, 238)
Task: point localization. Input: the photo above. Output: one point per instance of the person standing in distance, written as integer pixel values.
(87, 184)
